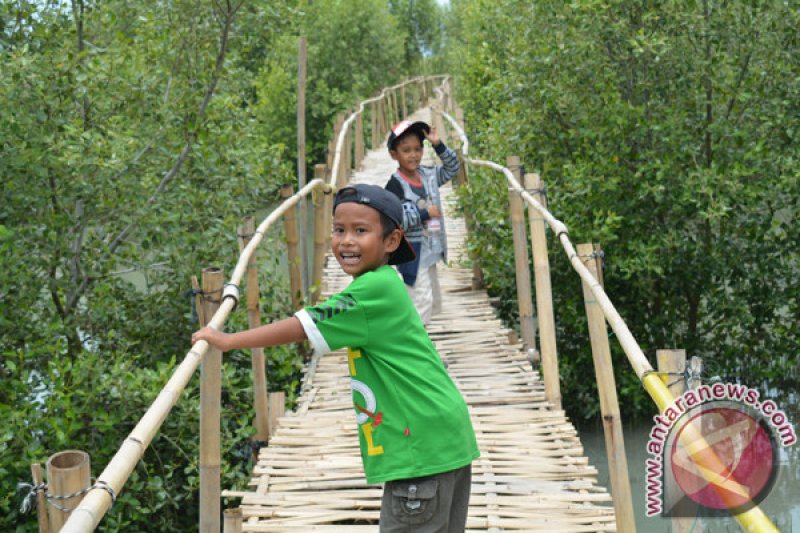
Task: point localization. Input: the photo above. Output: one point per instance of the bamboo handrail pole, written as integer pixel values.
(751, 520)
(635, 355)
(98, 500)
(544, 296)
(257, 361)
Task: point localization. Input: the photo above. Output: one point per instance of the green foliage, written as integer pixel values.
(665, 132)
(130, 153)
(132, 143)
(354, 49)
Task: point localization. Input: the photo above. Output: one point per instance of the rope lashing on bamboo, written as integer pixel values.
(33, 490)
(542, 191)
(231, 290)
(191, 293)
(206, 296)
(27, 501)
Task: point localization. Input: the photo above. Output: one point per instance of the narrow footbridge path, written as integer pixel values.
(531, 476)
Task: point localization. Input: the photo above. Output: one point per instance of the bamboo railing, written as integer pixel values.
(345, 152)
(99, 498)
(753, 519)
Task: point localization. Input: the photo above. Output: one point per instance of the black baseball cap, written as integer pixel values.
(401, 128)
(384, 202)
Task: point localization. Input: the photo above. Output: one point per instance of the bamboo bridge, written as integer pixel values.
(532, 474)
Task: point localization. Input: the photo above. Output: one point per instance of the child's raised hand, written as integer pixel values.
(212, 336)
(433, 136)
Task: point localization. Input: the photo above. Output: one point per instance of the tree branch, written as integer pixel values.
(184, 154)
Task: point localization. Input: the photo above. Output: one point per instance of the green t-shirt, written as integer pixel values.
(412, 419)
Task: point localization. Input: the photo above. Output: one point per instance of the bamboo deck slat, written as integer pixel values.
(531, 476)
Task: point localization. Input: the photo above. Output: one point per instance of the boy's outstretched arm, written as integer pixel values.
(277, 333)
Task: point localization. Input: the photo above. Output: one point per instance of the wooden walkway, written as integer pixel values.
(531, 476)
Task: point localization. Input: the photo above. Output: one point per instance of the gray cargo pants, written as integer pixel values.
(431, 504)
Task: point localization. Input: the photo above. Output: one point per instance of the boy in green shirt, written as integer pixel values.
(415, 433)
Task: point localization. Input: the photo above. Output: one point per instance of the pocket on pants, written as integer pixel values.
(414, 502)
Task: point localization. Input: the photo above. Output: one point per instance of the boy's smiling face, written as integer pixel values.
(408, 154)
(357, 241)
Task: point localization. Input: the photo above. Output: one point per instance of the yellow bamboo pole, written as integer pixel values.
(41, 502)
(544, 295)
(321, 233)
(403, 100)
(524, 297)
(68, 472)
(290, 225)
(246, 231)
(607, 391)
(210, 411)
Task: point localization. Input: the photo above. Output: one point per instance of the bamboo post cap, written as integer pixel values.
(67, 460)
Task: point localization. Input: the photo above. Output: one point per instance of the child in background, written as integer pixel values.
(415, 433)
(418, 188)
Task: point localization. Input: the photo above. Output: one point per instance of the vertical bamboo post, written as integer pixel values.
(359, 155)
(462, 179)
(68, 472)
(210, 409)
(373, 121)
(301, 153)
(544, 294)
(232, 520)
(403, 101)
(277, 405)
(395, 107)
(438, 123)
(347, 147)
(672, 366)
(382, 119)
(41, 502)
(246, 231)
(606, 389)
(290, 223)
(524, 297)
(321, 233)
